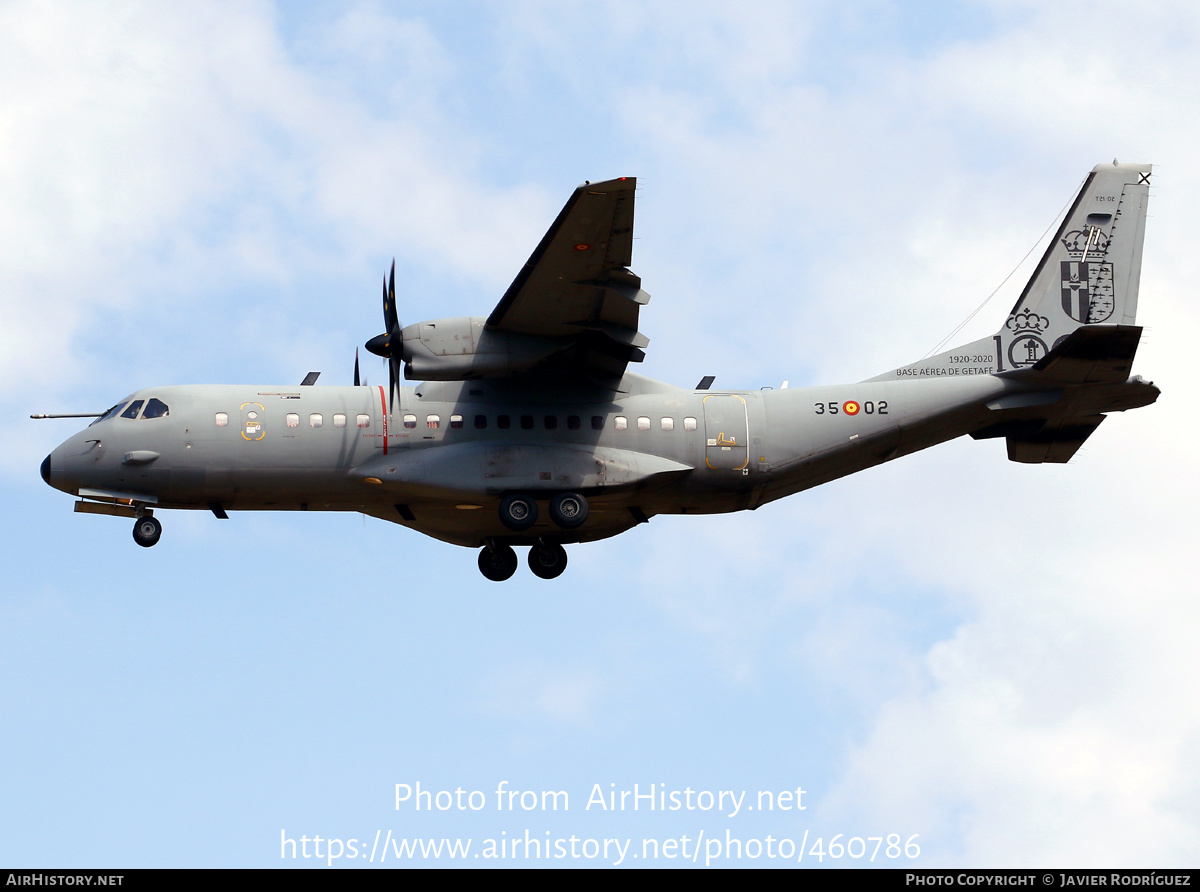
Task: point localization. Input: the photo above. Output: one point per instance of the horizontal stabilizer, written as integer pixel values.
(1056, 442)
(1092, 354)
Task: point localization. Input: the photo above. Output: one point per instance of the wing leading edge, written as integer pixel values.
(577, 286)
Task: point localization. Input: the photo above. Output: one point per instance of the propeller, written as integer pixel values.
(356, 367)
(390, 344)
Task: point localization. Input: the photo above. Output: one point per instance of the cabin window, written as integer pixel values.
(527, 422)
(689, 424)
(551, 422)
(222, 419)
(668, 424)
(480, 421)
(621, 422)
(597, 422)
(573, 422)
(156, 409)
(643, 423)
(433, 421)
(503, 422)
(293, 420)
(134, 408)
(339, 420)
(455, 422)
(364, 421)
(410, 421)
(316, 420)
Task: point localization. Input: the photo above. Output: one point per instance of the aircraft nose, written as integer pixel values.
(55, 467)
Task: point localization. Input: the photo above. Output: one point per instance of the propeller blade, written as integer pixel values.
(390, 344)
(356, 367)
(391, 319)
(393, 380)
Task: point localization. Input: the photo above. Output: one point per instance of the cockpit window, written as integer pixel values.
(134, 408)
(111, 413)
(156, 409)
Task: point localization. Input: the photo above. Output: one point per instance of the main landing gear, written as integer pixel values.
(519, 511)
(498, 561)
(547, 559)
(568, 510)
(147, 530)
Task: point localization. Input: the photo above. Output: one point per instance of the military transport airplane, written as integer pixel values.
(527, 429)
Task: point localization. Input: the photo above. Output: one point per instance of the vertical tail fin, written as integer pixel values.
(1089, 275)
(1090, 272)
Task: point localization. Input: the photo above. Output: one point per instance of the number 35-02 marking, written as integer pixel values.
(851, 407)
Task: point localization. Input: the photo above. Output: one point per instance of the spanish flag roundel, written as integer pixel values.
(850, 407)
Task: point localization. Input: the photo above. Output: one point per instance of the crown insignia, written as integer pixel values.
(1027, 321)
(1091, 240)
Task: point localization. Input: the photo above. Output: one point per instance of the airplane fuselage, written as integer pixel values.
(448, 452)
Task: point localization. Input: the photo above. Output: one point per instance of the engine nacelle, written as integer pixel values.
(463, 348)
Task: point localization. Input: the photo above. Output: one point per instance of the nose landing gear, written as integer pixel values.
(147, 530)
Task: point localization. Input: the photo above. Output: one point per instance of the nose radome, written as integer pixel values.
(46, 469)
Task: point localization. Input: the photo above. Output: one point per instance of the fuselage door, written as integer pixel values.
(253, 421)
(726, 431)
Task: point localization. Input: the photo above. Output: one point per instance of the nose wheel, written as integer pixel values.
(547, 560)
(497, 562)
(146, 531)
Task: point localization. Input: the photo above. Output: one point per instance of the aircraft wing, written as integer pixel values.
(577, 286)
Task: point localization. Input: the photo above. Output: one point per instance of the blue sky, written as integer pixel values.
(993, 656)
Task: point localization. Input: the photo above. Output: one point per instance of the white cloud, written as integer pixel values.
(157, 160)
